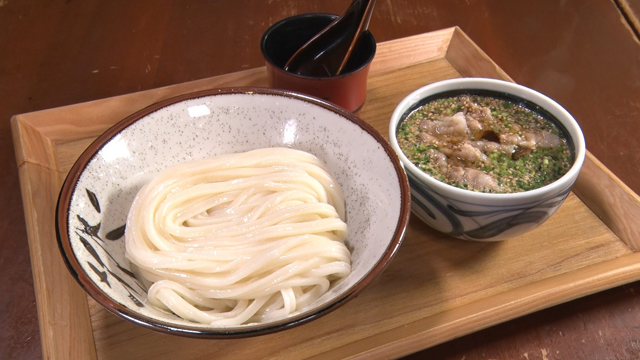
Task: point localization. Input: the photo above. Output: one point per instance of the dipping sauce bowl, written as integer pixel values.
(479, 216)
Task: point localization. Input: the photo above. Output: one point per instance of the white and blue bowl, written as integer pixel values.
(479, 216)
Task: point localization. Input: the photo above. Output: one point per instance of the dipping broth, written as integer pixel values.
(485, 143)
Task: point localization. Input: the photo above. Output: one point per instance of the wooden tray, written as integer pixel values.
(437, 288)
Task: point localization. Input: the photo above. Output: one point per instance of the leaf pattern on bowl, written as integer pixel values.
(531, 214)
(93, 199)
(129, 289)
(91, 250)
(116, 233)
(102, 274)
(508, 218)
(456, 225)
(498, 227)
(91, 230)
(90, 239)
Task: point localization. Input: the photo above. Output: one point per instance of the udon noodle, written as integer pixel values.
(239, 238)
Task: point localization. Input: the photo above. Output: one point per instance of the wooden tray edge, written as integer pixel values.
(52, 322)
(610, 199)
(29, 129)
(462, 47)
(28, 140)
(472, 317)
(63, 315)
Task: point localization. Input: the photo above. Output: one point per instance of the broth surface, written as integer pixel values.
(485, 144)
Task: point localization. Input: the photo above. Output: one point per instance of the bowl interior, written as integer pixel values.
(499, 95)
(501, 89)
(96, 197)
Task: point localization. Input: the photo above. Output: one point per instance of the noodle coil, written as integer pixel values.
(239, 238)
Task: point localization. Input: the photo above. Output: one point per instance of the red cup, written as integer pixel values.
(347, 90)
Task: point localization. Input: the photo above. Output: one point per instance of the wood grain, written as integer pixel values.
(611, 200)
(436, 288)
(470, 60)
(582, 53)
(631, 11)
(85, 121)
(65, 330)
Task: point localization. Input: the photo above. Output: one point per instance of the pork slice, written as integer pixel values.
(439, 160)
(470, 153)
(510, 139)
(449, 125)
(473, 124)
(549, 140)
(476, 179)
(428, 139)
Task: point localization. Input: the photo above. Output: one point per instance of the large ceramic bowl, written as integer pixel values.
(480, 216)
(99, 190)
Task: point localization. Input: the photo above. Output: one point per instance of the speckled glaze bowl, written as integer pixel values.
(479, 216)
(100, 188)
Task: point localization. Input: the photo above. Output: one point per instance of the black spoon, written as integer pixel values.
(327, 53)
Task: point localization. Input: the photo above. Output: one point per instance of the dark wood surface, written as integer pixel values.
(583, 53)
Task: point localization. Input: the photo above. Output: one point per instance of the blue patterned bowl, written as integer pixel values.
(479, 216)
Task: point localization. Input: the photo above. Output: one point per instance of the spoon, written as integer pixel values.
(327, 53)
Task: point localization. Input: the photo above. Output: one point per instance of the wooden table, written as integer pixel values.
(582, 53)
